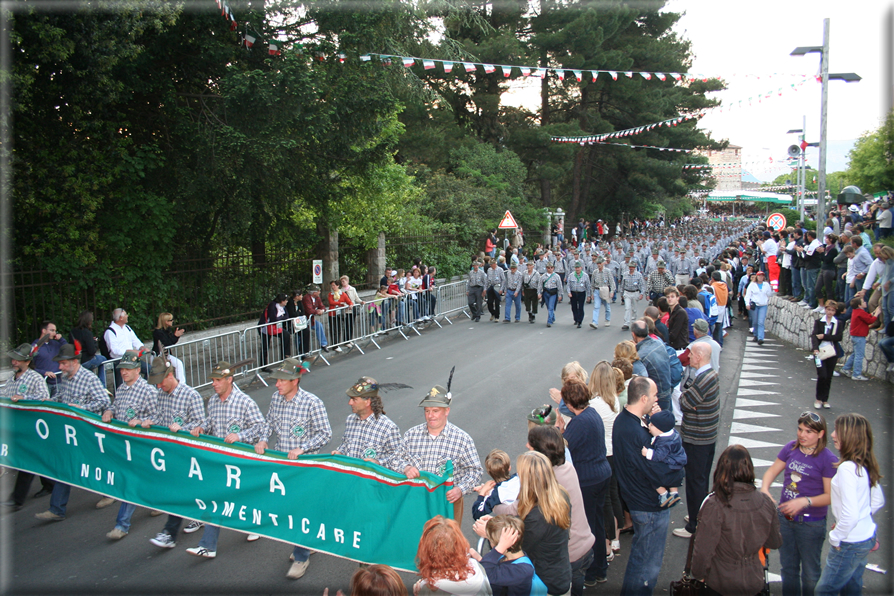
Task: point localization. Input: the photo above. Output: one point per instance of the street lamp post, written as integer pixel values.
(848, 77)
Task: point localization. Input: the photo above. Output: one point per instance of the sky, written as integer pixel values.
(756, 38)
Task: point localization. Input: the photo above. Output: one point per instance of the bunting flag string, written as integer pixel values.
(581, 75)
(646, 147)
(779, 163)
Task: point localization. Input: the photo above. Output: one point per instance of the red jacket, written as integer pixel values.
(860, 322)
(311, 305)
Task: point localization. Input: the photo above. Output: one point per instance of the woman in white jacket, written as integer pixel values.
(856, 496)
(757, 297)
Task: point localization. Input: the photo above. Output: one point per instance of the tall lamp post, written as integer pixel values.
(848, 77)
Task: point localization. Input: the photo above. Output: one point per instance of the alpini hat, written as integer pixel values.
(131, 359)
(22, 353)
(438, 397)
(161, 366)
(545, 414)
(222, 370)
(365, 387)
(291, 369)
(67, 352)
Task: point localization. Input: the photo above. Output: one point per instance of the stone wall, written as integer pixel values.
(794, 324)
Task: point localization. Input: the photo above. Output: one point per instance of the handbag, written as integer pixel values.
(826, 351)
(688, 585)
(603, 293)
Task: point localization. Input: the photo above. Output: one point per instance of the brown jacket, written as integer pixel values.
(728, 539)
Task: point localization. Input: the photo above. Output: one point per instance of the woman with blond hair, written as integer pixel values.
(164, 336)
(627, 349)
(856, 496)
(604, 399)
(444, 562)
(571, 371)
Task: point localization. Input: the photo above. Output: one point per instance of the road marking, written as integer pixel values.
(759, 482)
(751, 383)
(741, 427)
(751, 443)
(761, 463)
(755, 392)
(744, 414)
(747, 403)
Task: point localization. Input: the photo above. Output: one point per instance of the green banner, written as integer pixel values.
(331, 503)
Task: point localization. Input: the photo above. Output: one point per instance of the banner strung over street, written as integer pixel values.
(329, 503)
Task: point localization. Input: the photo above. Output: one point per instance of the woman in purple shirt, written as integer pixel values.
(806, 495)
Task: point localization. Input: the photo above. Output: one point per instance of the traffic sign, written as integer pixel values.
(776, 221)
(508, 222)
(318, 272)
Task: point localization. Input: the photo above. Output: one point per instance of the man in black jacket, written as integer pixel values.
(678, 321)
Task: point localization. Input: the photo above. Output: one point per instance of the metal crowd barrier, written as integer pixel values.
(452, 298)
(200, 355)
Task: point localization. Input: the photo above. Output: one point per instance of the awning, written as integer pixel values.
(749, 195)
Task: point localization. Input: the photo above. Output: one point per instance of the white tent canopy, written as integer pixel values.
(748, 195)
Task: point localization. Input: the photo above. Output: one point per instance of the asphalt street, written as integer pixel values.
(503, 371)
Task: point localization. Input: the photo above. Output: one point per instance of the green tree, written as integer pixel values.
(871, 166)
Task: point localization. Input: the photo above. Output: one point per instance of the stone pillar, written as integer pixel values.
(327, 250)
(375, 262)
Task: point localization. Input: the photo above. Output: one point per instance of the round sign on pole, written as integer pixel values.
(776, 221)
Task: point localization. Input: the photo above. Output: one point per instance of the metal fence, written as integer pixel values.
(342, 329)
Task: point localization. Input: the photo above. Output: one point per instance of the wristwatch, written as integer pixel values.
(809, 502)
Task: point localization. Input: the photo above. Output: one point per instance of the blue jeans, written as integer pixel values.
(759, 317)
(810, 286)
(796, 282)
(597, 304)
(646, 552)
(551, 308)
(210, 536)
(96, 362)
(125, 513)
(578, 573)
(594, 502)
(300, 554)
(59, 498)
(664, 400)
(802, 546)
(888, 307)
(513, 298)
(887, 347)
(321, 333)
(855, 360)
(843, 573)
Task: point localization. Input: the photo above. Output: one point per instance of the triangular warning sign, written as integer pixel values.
(508, 222)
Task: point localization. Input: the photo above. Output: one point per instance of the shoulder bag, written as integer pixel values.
(688, 585)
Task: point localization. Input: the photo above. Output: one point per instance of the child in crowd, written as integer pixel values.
(860, 322)
(509, 571)
(667, 447)
(503, 489)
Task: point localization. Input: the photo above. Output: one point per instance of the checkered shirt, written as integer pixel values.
(300, 422)
(658, 281)
(377, 439)
(139, 401)
(495, 277)
(604, 278)
(540, 266)
(430, 454)
(183, 405)
(84, 390)
(551, 281)
(514, 280)
(238, 414)
(532, 280)
(30, 386)
(477, 278)
(578, 285)
(633, 283)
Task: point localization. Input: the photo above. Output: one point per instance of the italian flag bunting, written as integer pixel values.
(469, 66)
(613, 74)
(448, 66)
(507, 70)
(408, 62)
(273, 50)
(489, 68)
(578, 75)
(428, 64)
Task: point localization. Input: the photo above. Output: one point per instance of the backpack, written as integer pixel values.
(101, 344)
(676, 367)
(538, 588)
(709, 303)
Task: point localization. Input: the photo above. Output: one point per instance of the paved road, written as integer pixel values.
(502, 372)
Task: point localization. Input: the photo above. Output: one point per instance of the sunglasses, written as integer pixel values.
(812, 415)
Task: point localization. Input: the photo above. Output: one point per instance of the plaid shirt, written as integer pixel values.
(603, 278)
(373, 438)
(30, 386)
(514, 281)
(633, 282)
(495, 277)
(184, 406)
(658, 281)
(84, 390)
(477, 278)
(430, 454)
(136, 401)
(300, 422)
(549, 281)
(237, 414)
(532, 280)
(578, 285)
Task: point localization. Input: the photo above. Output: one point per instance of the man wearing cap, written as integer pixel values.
(44, 351)
(430, 445)
(884, 220)
(313, 307)
(180, 408)
(550, 292)
(602, 287)
(530, 290)
(475, 293)
(370, 435)
(494, 283)
(681, 267)
(26, 383)
(658, 280)
(578, 292)
(513, 292)
(301, 424)
(232, 416)
(135, 402)
(81, 389)
(700, 404)
(633, 286)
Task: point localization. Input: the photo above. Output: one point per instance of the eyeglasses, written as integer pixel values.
(812, 415)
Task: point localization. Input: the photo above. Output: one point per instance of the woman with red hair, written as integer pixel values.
(444, 563)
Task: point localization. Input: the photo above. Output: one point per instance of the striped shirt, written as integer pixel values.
(135, 401)
(299, 423)
(183, 406)
(430, 454)
(237, 414)
(375, 438)
(84, 390)
(30, 385)
(700, 403)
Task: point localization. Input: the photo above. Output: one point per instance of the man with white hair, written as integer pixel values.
(120, 338)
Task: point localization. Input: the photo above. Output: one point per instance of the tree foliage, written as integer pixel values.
(871, 165)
